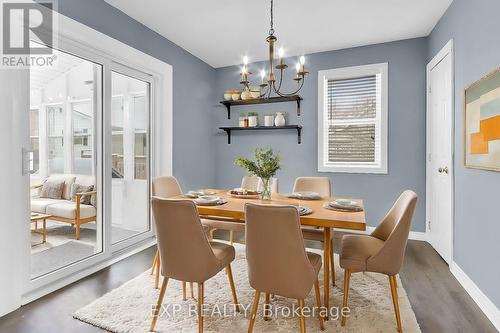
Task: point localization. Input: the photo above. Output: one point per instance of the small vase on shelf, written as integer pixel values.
(279, 120)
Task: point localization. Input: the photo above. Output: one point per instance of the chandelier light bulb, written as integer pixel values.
(245, 60)
(297, 67)
(262, 74)
(302, 60)
(281, 53)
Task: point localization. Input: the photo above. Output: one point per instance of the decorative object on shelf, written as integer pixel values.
(252, 119)
(246, 95)
(294, 98)
(268, 120)
(228, 94)
(243, 120)
(265, 166)
(482, 123)
(270, 83)
(235, 95)
(280, 119)
(255, 92)
(298, 128)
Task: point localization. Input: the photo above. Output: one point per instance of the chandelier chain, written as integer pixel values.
(271, 31)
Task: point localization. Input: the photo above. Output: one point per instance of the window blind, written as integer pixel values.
(352, 106)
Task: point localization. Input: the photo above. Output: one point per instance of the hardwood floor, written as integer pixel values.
(440, 303)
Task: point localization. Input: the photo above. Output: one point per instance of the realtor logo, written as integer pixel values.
(27, 34)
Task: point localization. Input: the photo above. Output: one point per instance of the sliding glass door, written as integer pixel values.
(90, 161)
(65, 107)
(130, 168)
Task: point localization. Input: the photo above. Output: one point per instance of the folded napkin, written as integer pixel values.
(209, 201)
(304, 210)
(305, 196)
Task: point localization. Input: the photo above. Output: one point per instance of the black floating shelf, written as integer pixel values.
(294, 98)
(262, 128)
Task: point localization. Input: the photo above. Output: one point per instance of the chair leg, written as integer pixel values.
(77, 230)
(157, 271)
(233, 289)
(192, 289)
(183, 290)
(158, 304)
(347, 277)
(266, 307)
(231, 235)
(301, 316)
(318, 304)
(395, 303)
(200, 307)
(253, 314)
(332, 264)
(153, 265)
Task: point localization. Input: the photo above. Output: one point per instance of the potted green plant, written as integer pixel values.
(265, 166)
(252, 119)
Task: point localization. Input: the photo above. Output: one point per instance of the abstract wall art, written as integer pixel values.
(482, 123)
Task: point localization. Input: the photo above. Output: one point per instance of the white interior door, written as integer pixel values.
(440, 152)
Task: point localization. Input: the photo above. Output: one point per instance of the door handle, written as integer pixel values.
(445, 170)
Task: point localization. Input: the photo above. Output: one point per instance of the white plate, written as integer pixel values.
(344, 202)
(198, 193)
(305, 195)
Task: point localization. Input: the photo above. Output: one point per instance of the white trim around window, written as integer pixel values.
(379, 164)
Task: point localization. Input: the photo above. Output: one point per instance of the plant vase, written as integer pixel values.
(266, 188)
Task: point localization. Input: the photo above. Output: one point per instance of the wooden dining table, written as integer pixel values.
(320, 217)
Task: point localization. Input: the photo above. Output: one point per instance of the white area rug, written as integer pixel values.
(128, 308)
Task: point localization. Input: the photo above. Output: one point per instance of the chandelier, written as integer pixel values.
(270, 83)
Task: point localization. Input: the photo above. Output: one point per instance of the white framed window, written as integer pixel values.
(352, 119)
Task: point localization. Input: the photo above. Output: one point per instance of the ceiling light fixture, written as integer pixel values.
(271, 84)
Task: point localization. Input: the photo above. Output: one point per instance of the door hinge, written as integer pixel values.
(429, 225)
(430, 90)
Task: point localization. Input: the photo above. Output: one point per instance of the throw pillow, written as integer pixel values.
(52, 189)
(77, 188)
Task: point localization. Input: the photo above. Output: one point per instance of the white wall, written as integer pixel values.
(14, 203)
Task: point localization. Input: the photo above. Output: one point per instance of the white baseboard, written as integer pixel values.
(414, 235)
(484, 303)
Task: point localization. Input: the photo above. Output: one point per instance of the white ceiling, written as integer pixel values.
(220, 32)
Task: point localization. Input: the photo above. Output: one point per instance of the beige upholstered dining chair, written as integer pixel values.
(213, 222)
(279, 266)
(166, 187)
(185, 252)
(382, 251)
(322, 186)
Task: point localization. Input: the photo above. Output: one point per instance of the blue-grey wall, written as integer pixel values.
(192, 92)
(407, 61)
(475, 28)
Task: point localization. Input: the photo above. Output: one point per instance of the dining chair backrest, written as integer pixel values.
(277, 265)
(393, 230)
(320, 185)
(254, 183)
(185, 252)
(166, 187)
